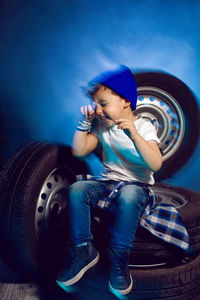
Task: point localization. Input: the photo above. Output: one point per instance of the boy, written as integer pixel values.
(130, 154)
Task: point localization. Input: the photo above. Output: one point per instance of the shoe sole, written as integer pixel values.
(121, 292)
(64, 284)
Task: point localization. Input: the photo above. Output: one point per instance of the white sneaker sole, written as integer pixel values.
(76, 278)
(121, 292)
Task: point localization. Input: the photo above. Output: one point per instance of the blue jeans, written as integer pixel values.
(129, 203)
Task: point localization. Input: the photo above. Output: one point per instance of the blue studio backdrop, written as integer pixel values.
(49, 49)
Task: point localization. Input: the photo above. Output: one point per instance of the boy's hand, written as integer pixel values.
(88, 111)
(128, 126)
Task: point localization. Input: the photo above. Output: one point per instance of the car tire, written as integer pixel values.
(33, 187)
(170, 105)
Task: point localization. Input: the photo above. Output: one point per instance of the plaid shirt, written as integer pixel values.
(159, 218)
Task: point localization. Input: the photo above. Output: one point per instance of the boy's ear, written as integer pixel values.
(126, 103)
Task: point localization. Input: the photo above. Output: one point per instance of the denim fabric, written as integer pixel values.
(125, 212)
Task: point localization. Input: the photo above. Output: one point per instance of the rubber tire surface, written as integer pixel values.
(185, 98)
(21, 180)
(173, 282)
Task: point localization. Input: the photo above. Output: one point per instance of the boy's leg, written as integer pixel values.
(81, 254)
(128, 205)
(130, 201)
(82, 195)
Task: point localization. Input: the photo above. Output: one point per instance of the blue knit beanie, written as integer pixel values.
(120, 81)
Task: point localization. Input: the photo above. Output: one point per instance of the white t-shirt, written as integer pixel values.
(120, 158)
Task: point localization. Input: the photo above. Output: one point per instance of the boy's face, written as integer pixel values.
(109, 106)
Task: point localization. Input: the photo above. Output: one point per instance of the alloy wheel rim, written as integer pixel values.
(51, 202)
(164, 112)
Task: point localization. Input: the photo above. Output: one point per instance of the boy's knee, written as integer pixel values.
(84, 192)
(81, 188)
(132, 194)
(77, 195)
(76, 186)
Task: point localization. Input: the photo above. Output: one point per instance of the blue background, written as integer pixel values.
(49, 49)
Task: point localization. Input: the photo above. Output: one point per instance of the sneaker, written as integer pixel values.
(76, 263)
(120, 281)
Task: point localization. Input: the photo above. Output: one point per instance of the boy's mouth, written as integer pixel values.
(108, 121)
(106, 118)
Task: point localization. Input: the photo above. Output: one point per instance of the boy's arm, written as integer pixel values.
(148, 149)
(84, 142)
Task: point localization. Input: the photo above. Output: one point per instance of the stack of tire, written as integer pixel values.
(33, 208)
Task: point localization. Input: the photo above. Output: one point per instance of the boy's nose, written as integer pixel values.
(98, 109)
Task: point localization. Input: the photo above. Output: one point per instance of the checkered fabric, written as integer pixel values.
(164, 221)
(159, 218)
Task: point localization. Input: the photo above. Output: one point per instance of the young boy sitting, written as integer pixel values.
(130, 154)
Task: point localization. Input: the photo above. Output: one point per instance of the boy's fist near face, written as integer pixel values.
(128, 126)
(88, 111)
